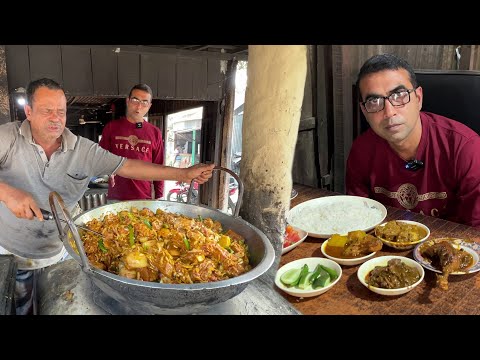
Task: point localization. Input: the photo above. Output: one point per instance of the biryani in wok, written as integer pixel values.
(165, 247)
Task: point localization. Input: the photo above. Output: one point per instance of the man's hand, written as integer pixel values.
(200, 172)
(21, 204)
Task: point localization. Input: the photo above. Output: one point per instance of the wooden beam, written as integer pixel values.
(226, 47)
(245, 50)
(186, 46)
(202, 47)
(149, 50)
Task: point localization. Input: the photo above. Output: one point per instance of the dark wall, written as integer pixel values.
(100, 71)
(454, 94)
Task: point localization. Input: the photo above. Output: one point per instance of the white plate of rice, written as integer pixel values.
(325, 216)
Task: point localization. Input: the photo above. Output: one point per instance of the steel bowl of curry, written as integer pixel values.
(402, 234)
(162, 257)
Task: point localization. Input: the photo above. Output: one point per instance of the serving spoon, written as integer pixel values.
(47, 215)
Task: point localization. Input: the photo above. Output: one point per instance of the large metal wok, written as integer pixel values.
(157, 298)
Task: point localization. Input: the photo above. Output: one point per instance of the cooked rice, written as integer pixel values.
(338, 218)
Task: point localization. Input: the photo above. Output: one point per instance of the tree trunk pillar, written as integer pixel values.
(273, 101)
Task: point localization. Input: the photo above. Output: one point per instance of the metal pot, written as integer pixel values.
(157, 298)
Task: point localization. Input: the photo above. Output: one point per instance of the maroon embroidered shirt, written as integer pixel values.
(448, 186)
(123, 138)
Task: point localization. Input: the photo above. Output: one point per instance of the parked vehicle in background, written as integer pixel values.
(237, 157)
(180, 194)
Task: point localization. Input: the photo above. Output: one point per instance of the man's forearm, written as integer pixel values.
(142, 170)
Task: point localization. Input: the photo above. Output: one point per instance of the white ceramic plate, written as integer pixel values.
(312, 263)
(323, 217)
(293, 194)
(472, 248)
(303, 235)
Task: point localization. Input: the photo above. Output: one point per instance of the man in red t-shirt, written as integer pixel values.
(131, 136)
(410, 159)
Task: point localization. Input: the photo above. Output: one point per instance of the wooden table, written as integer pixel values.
(350, 297)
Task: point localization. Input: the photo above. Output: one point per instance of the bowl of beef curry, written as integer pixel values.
(390, 275)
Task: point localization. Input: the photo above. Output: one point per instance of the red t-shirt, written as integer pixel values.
(121, 137)
(448, 186)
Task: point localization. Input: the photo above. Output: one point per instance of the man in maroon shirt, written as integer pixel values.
(131, 136)
(410, 159)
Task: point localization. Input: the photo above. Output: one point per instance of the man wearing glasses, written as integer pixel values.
(410, 159)
(131, 136)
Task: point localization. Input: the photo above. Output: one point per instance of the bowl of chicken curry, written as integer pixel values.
(402, 234)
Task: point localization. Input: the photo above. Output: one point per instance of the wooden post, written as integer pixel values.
(222, 130)
(466, 59)
(273, 101)
(4, 96)
(229, 98)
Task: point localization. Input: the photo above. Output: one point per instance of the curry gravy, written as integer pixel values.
(397, 231)
(336, 251)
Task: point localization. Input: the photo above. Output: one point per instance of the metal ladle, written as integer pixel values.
(47, 215)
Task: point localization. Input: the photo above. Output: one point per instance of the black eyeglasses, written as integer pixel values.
(142, 103)
(377, 103)
(414, 165)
